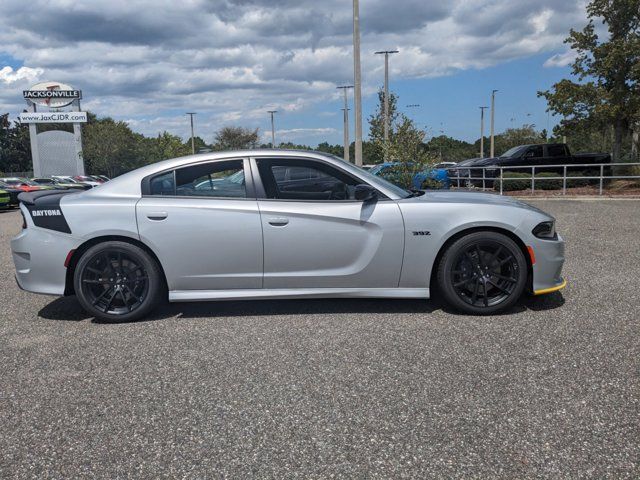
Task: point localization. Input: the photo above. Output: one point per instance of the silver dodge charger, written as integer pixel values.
(279, 224)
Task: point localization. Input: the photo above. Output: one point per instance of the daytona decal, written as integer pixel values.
(46, 213)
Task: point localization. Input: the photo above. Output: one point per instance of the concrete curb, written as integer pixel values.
(585, 198)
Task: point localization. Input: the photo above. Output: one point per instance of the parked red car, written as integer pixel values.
(22, 184)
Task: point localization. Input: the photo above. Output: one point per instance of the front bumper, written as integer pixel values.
(547, 271)
(551, 289)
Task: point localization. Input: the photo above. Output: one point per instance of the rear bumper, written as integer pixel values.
(39, 257)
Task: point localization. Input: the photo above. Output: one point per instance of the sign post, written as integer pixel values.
(55, 152)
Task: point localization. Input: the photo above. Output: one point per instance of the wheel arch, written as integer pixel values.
(77, 254)
(433, 282)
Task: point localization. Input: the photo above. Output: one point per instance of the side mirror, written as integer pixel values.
(365, 192)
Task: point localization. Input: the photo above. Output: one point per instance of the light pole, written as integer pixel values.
(346, 121)
(482, 109)
(273, 129)
(493, 112)
(193, 140)
(357, 81)
(413, 105)
(386, 97)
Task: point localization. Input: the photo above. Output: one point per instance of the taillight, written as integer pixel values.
(68, 259)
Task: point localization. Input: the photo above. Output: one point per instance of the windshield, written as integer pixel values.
(375, 180)
(513, 152)
(375, 170)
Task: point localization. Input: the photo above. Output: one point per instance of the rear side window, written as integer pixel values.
(162, 184)
(216, 179)
(556, 150)
(535, 152)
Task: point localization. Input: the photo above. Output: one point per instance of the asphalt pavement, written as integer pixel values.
(336, 388)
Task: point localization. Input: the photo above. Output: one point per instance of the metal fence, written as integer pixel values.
(464, 177)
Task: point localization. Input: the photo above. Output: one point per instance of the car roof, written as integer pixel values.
(129, 184)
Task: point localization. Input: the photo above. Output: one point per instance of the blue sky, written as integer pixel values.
(451, 102)
(149, 61)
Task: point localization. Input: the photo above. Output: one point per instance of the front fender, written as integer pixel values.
(428, 227)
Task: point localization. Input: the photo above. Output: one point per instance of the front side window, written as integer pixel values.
(215, 179)
(291, 179)
(534, 152)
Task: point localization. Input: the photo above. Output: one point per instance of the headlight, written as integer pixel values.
(546, 230)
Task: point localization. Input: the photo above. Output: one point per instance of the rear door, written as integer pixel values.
(203, 223)
(556, 155)
(316, 235)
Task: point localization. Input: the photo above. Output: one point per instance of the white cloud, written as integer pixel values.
(560, 59)
(231, 60)
(8, 75)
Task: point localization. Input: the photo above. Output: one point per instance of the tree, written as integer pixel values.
(236, 138)
(451, 150)
(608, 71)
(375, 151)
(109, 147)
(166, 145)
(15, 146)
(512, 137)
(199, 143)
(337, 150)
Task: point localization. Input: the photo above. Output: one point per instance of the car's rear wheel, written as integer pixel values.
(482, 273)
(117, 282)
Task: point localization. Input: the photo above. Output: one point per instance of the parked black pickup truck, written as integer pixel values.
(542, 156)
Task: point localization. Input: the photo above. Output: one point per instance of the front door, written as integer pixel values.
(316, 235)
(204, 225)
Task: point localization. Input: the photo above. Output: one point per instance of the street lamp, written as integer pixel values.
(482, 109)
(273, 128)
(346, 121)
(357, 81)
(386, 97)
(193, 141)
(493, 111)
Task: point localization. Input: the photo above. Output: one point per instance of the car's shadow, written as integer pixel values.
(68, 308)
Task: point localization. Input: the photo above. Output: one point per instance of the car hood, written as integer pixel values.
(478, 162)
(473, 198)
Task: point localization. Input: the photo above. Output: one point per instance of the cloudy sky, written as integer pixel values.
(149, 61)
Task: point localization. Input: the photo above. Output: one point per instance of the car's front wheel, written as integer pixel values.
(117, 282)
(482, 273)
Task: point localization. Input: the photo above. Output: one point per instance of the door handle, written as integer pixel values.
(157, 216)
(278, 221)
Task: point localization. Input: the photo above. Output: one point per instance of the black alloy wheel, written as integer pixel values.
(117, 281)
(483, 273)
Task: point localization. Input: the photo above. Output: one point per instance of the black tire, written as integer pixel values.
(118, 282)
(482, 273)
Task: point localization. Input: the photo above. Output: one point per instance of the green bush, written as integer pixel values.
(431, 184)
(579, 182)
(401, 175)
(543, 184)
(513, 181)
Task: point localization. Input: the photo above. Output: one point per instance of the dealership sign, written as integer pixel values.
(52, 94)
(53, 117)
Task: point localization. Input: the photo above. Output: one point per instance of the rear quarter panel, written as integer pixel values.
(90, 216)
